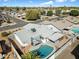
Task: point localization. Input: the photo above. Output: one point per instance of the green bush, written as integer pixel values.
(49, 13)
(5, 33)
(30, 55)
(74, 13)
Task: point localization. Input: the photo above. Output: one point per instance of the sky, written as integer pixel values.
(39, 3)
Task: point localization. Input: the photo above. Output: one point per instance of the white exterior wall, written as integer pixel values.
(16, 53)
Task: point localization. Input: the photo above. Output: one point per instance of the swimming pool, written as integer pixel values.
(43, 51)
(75, 29)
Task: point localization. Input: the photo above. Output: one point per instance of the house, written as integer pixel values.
(32, 35)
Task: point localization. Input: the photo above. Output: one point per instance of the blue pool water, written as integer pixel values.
(44, 51)
(75, 30)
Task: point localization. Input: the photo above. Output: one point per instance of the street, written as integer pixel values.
(19, 23)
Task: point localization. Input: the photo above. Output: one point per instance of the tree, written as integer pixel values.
(74, 12)
(1, 8)
(58, 12)
(49, 13)
(8, 21)
(43, 12)
(32, 15)
(17, 9)
(10, 9)
(24, 8)
(30, 55)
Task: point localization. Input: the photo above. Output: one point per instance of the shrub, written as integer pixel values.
(49, 13)
(5, 34)
(74, 13)
(30, 55)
